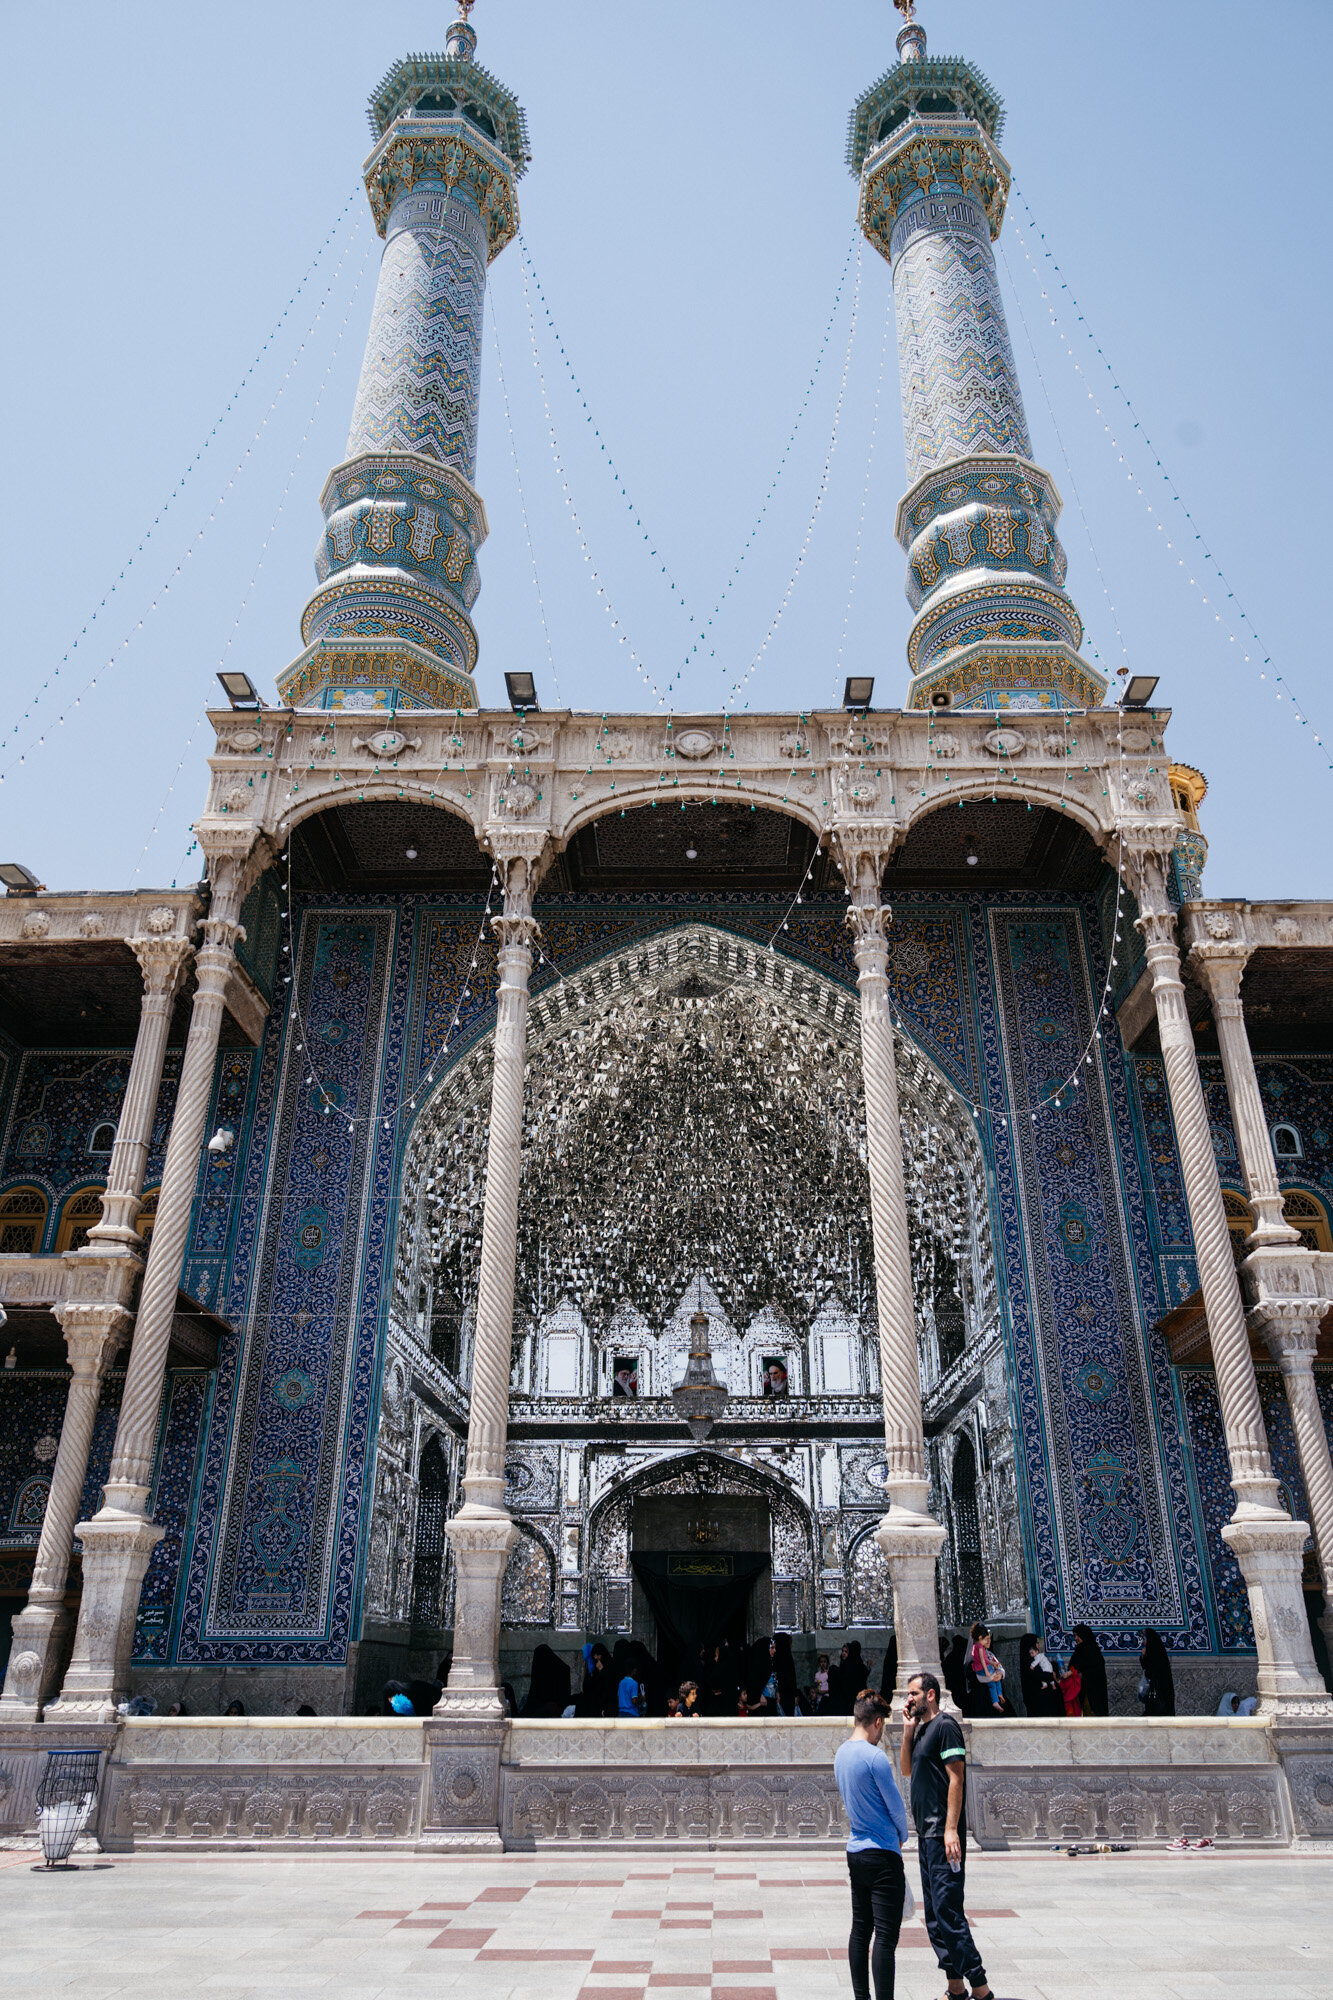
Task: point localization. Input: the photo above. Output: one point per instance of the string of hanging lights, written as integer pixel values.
(25, 715)
(1242, 631)
(821, 491)
(202, 716)
(522, 498)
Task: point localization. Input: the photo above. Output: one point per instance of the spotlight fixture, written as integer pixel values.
(18, 880)
(858, 691)
(1140, 690)
(522, 691)
(240, 690)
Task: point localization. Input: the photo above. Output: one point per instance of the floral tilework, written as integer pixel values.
(32, 1409)
(1108, 1496)
(1296, 1090)
(178, 1451)
(213, 1222)
(273, 1562)
(61, 1096)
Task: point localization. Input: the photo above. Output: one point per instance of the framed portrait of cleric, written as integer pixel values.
(774, 1379)
(624, 1374)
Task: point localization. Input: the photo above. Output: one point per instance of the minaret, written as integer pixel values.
(389, 626)
(994, 626)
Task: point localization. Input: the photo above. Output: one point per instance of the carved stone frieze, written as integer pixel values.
(166, 1806)
(691, 1804)
(1023, 1808)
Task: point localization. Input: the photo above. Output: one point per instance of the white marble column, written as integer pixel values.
(93, 1333)
(163, 962)
(1291, 1329)
(119, 1540)
(1266, 1541)
(1289, 1325)
(1220, 968)
(908, 1534)
(482, 1533)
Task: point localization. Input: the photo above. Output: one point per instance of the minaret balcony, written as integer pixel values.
(444, 151)
(939, 174)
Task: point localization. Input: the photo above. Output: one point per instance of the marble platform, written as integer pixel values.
(291, 1783)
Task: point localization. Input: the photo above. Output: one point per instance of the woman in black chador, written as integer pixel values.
(847, 1679)
(1157, 1687)
(548, 1690)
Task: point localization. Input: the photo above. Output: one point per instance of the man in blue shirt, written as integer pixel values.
(878, 1821)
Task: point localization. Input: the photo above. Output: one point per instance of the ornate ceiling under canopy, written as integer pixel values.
(698, 1119)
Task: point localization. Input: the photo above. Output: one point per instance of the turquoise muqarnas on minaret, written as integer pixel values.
(389, 625)
(994, 626)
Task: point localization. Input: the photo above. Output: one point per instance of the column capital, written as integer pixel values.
(1220, 966)
(870, 925)
(863, 850)
(94, 1331)
(1290, 1327)
(163, 961)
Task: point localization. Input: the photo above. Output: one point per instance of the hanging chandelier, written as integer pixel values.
(700, 1398)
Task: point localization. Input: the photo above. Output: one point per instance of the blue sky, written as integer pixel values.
(173, 170)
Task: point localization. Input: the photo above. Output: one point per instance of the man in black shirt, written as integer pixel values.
(933, 1756)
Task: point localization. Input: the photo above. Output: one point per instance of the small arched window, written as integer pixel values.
(77, 1217)
(103, 1139)
(1287, 1142)
(1310, 1217)
(22, 1220)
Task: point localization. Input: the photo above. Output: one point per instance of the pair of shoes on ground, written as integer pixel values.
(1179, 1846)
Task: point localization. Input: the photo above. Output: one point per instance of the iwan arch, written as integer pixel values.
(467, 1078)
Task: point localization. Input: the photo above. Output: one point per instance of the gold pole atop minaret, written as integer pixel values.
(911, 38)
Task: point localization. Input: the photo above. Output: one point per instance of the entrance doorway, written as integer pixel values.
(702, 1576)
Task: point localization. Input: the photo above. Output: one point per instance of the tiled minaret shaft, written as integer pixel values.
(994, 626)
(389, 625)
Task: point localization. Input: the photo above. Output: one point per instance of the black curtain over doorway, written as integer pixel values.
(694, 1598)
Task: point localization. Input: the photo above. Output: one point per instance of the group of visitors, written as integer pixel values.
(723, 1680)
(1049, 1686)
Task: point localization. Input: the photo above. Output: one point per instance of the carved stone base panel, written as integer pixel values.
(36, 1650)
(1021, 1808)
(664, 1805)
(462, 1808)
(223, 1805)
(1306, 1754)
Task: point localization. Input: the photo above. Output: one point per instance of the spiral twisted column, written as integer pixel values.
(1291, 1329)
(1267, 1543)
(164, 962)
(1220, 968)
(909, 1536)
(482, 1533)
(93, 1334)
(119, 1540)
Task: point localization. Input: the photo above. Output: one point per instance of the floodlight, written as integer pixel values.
(858, 691)
(240, 690)
(522, 691)
(1140, 690)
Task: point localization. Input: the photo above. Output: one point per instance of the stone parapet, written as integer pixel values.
(292, 1782)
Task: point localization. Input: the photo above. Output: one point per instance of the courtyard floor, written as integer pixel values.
(734, 1927)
